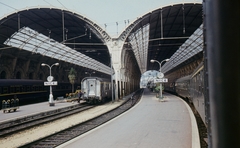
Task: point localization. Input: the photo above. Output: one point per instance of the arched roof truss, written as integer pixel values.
(187, 50)
(29, 40)
(58, 34)
(139, 43)
(168, 28)
(68, 36)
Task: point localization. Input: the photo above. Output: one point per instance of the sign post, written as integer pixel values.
(50, 83)
(161, 80)
(161, 76)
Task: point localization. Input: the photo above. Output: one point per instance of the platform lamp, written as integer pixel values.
(161, 75)
(50, 78)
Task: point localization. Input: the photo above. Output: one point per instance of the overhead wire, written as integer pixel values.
(62, 5)
(8, 6)
(48, 3)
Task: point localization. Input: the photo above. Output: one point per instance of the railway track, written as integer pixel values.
(72, 132)
(15, 125)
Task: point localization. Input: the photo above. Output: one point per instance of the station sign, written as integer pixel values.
(50, 83)
(162, 80)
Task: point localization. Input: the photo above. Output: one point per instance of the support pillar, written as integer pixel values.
(115, 48)
(223, 44)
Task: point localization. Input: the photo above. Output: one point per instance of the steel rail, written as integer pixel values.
(77, 130)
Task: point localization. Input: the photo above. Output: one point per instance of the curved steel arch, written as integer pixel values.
(123, 36)
(51, 22)
(170, 27)
(92, 24)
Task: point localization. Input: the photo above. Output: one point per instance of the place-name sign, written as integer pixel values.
(50, 83)
(162, 80)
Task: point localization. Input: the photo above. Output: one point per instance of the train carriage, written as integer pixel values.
(23, 89)
(29, 91)
(96, 90)
(191, 88)
(196, 90)
(182, 86)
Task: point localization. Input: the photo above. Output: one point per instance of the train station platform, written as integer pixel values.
(34, 133)
(151, 123)
(28, 110)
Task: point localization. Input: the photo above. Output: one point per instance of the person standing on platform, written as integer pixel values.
(79, 96)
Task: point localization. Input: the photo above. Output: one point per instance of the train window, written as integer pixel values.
(106, 86)
(23, 88)
(37, 88)
(12, 89)
(18, 89)
(45, 88)
(28, 88)
(66, 87)
(62, 87)
(5, 90)
(103, 86)
(33, 88)
(40, 88)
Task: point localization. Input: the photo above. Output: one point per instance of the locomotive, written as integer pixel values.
(96, 90)
(191, 88)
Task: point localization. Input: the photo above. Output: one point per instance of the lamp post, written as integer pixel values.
(161, 75)
(90, 73)
(50, 78)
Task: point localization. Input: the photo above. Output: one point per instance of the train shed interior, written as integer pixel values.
(184, 33)
(48, 35)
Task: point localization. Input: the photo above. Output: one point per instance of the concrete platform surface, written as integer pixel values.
(28, 110)
(151, 123)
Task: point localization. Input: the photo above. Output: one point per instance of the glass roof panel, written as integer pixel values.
(35, 42)
(191, 47)
(139, 42)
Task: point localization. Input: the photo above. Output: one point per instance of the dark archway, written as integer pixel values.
(3, 75)
(40, 76)
(31, 75)
(18, 75)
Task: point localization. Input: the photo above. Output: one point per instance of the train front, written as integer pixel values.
(91, 90)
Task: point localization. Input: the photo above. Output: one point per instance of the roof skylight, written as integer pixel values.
(191, 47)
(139, 42)
(32, 41)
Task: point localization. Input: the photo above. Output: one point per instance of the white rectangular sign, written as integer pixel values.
(162, 80)
(50, 83)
